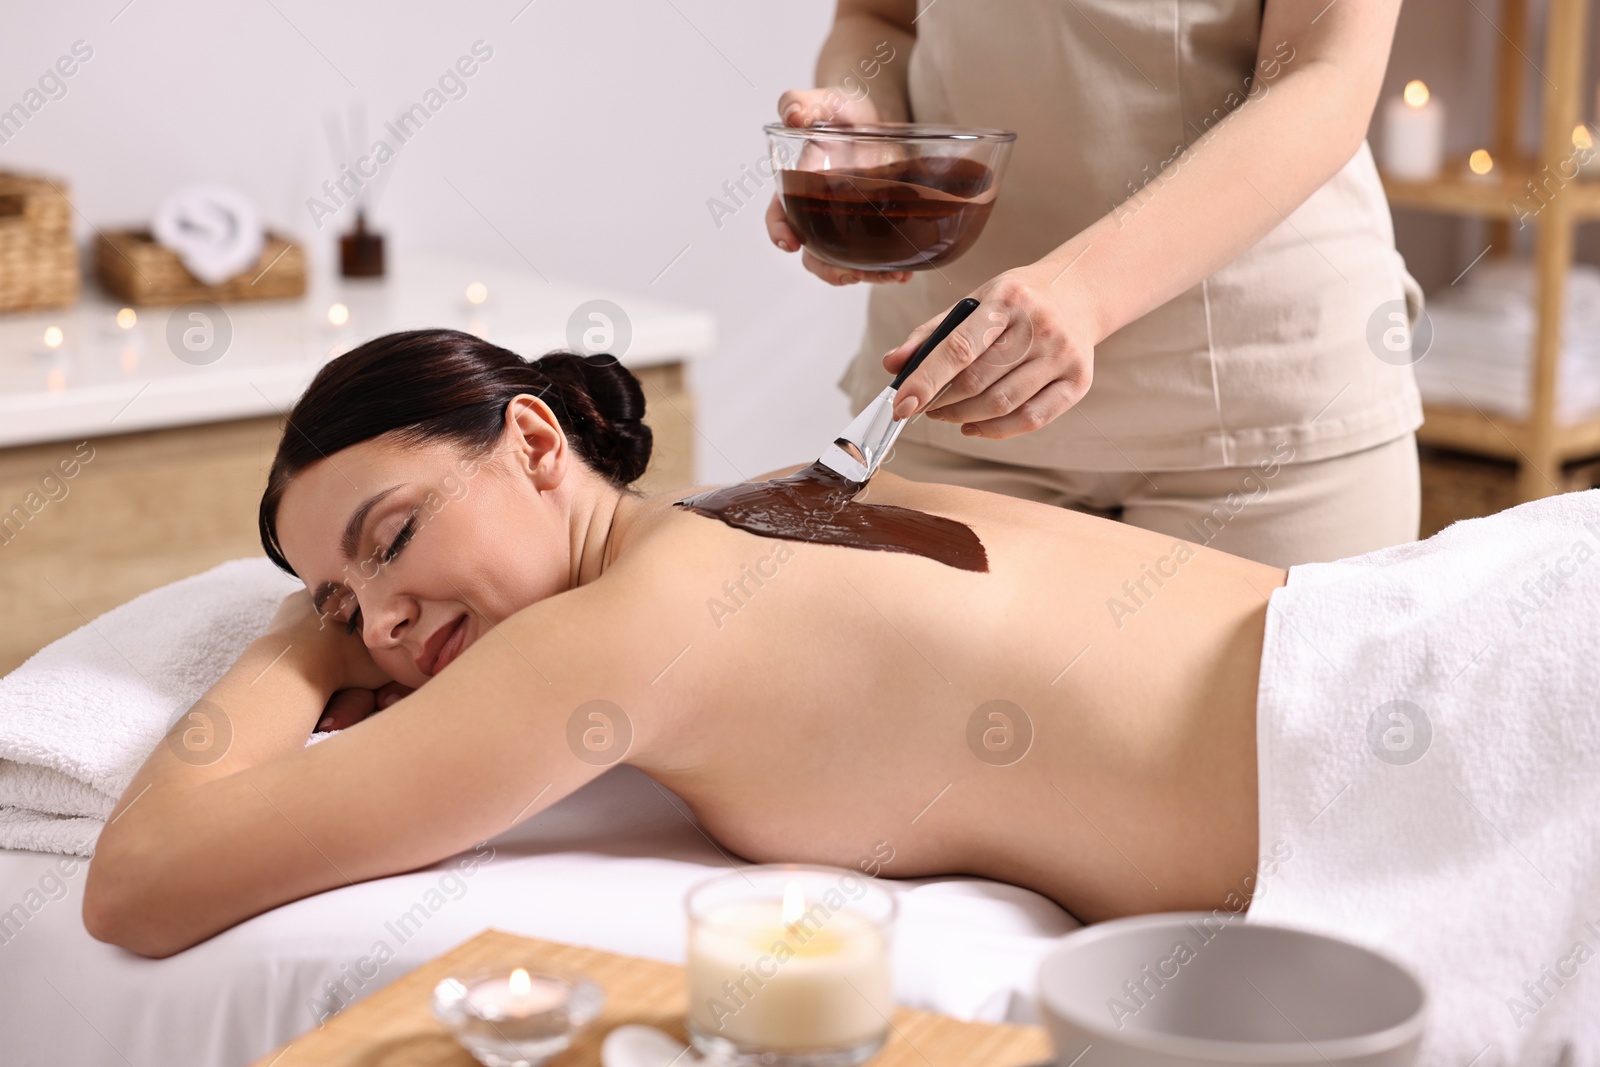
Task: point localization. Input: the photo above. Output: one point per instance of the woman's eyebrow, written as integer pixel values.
(352, 529)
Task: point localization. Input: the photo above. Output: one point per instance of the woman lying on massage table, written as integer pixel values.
(1078, 718)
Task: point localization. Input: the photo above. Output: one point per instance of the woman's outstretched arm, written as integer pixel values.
(199, 843)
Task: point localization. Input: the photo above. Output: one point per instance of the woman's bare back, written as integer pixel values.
(1079, 719)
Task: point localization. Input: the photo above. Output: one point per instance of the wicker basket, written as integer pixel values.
(38, 261)
(134, 267)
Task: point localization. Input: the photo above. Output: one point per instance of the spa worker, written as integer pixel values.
(1189, 253)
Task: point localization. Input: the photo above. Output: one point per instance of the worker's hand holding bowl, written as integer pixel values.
(872, 200)
(814, 107)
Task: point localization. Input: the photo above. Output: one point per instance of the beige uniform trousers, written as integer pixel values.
(1275, 511)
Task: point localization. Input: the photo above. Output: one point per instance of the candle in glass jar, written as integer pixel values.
(1413, 134)
(790, 974)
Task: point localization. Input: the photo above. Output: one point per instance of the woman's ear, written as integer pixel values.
(538, 444)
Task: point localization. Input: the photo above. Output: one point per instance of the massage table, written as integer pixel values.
(606, 867)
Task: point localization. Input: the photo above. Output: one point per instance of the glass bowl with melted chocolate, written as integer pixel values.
(890, 196)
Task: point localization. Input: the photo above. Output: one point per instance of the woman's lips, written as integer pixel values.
(455, 640)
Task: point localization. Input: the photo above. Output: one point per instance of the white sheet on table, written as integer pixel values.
(607, 867)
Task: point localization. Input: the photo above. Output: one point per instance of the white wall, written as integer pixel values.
(592, 140)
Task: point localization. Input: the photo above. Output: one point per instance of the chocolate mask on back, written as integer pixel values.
(817, 504)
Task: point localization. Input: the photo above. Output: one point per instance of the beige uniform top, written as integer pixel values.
(1271, 349)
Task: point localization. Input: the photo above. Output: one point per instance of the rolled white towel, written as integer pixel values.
(215, 230)
(78, 718)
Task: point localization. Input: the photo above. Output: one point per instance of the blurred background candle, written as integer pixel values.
(790, 965)
(1413, 134)
(1480, 165)
(1583, 151)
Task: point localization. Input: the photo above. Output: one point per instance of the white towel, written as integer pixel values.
(1458, 831)
(1483, 337)
(215, 230)
(80, 716)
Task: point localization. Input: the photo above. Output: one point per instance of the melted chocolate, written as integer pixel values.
(913, 214)
(818, 504)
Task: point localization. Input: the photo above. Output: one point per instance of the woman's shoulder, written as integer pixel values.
(660, 534)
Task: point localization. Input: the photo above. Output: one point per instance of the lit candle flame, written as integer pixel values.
(477, 293)
(826, 163)
(1416, 93)
(53, 337)
(338, 314)
(126, 318)
(1581, 138)
(1480, 162)
(520, 984)
(794, 903)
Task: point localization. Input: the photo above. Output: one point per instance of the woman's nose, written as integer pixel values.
(386, 624)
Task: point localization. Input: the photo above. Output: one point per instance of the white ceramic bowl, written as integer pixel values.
(1201, 989)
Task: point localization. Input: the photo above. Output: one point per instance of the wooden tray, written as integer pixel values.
(395, 1028)
(132, 266)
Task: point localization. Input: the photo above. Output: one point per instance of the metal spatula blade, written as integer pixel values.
(857, 452)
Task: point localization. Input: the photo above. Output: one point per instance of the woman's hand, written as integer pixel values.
(809, 107)
(1021, 359)
(360, 686)
(349, 706)
(339, 657)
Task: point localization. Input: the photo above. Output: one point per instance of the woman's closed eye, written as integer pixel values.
(403, 538)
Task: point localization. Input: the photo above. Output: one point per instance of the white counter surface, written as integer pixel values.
(103, 379)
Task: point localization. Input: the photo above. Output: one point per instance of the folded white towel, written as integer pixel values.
(80, 716)
(1429, 749)
(1504, 288)
(1482, 374)
(215, 230)
(1483, 337)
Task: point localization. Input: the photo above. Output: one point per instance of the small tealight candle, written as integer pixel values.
(515, 996)
(790, 965)
(1413, 134)
(53, 337)
(338, 315)
(516, 1018)
(477, 293)
(127, 318)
